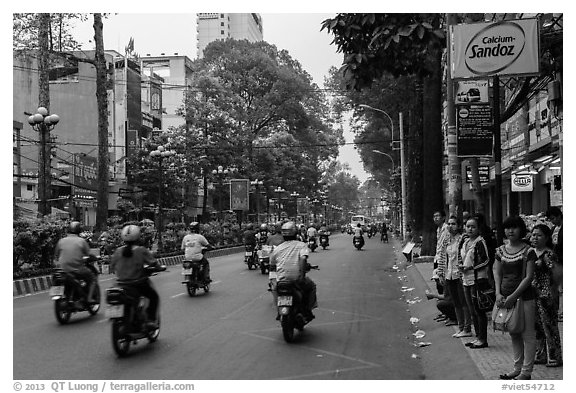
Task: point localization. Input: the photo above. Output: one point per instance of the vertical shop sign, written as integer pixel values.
(239, 194)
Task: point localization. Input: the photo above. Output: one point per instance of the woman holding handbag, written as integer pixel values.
(513, 273)
(549, 344)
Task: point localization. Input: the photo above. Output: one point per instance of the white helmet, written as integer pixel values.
(131, 233)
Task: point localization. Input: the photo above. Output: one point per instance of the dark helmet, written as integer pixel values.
(195, 226)
(289, 229)
(75, 227)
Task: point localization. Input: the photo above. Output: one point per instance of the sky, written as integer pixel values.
(169, 33)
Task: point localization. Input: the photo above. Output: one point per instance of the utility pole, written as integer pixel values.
(403, 178)
(44, 173)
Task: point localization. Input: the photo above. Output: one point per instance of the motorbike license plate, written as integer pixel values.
(57, 290)
(272, 275)
(248, 254)
(114, 311)
(186, 272)
(284, 300)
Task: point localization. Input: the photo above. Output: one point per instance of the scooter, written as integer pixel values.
(290, 307)
(127, 310)
(324, 241)
(358, 242)
(250, 256)
(264, 258)
(69, 292)
(194, 277)
(312, 244)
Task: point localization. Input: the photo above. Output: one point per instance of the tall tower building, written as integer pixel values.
(214, 26)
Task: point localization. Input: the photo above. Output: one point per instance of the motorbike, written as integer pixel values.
(324, 241)
(69, 292)
(290, 307)
(264, 259)
(312, 244)
(127, 310)
(358, 243)
(194, 277)
(250, 256)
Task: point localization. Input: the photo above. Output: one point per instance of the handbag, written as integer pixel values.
(509, 320)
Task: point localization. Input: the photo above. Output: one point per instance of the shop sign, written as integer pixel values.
(483, 173)
(239, 194)
(85, 175)
(474, 130)
(508, 47)
(522, 182)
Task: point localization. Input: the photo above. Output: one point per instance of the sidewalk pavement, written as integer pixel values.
(497, 358)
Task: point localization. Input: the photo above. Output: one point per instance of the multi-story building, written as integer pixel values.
(215, 26)
(75, 138)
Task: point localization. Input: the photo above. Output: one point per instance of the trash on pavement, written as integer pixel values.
(414, 320)
(419, 334)
(422, 344)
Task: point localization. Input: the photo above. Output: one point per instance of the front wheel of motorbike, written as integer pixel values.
(93, 308)
(120, 341)
(62, 311)
(191, 289)
(287, 328)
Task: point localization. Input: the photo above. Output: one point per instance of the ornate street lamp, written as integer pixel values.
(44, 123)
(160, 153)
(279, 190)
(295, 195)
(257, 183)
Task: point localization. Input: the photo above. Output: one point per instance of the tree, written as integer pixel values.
(400, 45)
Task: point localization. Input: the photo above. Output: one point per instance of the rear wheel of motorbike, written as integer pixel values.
(120, 342)
(153, 335)
(323, 247)
(93, 309)
(191, 289)
(62, 311)
(287, 328)
(206, 288)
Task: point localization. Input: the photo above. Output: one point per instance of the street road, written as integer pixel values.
(362, 328)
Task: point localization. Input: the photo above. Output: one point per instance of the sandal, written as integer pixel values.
(511, 375)
(554, 363)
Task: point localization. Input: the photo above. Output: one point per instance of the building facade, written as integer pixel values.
(215, 26)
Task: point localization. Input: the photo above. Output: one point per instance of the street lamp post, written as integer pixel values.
(160, 153)
(257, 183)
(221, 173)
(279, 190)
(295, 195)
(44, 123)
(402, 163)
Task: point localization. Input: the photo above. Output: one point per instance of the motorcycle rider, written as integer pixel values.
(290, 259)
(312, 232)
(262, 235)
(69, 255)
(128, 263)
(192, 245)
(358, 232)
(323, 231)
(276, 237)
(302, 235)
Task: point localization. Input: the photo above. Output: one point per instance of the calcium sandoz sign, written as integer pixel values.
(510, 47)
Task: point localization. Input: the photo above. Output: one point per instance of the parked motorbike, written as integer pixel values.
(69, 292)
(250, 256)
(324, 241)
(264, 259)
(127, 310)
(358, 242)
(312, 244)
(291, 308)
(194, 277)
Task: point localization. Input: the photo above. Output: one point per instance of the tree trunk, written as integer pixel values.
(433, 196)
(102, 101)
(44, 172)
(414, 161)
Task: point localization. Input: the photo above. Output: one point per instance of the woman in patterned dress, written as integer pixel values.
(513, 274)
(549, 345)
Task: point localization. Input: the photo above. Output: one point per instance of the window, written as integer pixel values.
(29, 187)
(222, 24)
(221, 15)
(221, 32)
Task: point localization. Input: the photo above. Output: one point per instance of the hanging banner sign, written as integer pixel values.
(474, 130)
(483, 173)
(474, 91)
(85, 175)
(522, 182)
(239, 194)
(508, 47)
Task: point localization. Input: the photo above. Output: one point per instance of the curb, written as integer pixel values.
(29, 286)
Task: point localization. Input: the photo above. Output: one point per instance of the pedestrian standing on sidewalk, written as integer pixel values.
(513, 274)
(450, 277)
(548, 342)
(554, 215)
(441, 231)
(474, 264)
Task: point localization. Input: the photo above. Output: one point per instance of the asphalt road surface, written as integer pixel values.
(362, 328)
